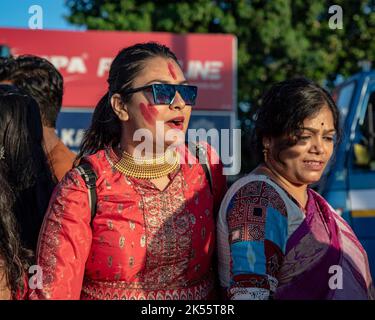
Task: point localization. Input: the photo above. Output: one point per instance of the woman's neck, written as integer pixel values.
(297, 191)
(50, 139)
(143, 152)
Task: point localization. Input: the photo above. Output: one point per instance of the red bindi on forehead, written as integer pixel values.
(172, 70)
(149, 112)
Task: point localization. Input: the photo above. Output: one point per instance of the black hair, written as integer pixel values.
(23, 162)
(7, 68)
(40, 79)
(105, 128)
(285, 106)
(15, 258)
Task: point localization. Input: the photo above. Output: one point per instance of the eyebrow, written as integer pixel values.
(164, 81)
(316, 130)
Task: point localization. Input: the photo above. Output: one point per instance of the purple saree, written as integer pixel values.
(324, 259)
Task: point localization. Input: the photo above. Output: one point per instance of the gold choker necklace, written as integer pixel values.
(148, 168)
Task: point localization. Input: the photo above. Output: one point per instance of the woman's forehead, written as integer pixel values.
(323, 117)
(159, 66)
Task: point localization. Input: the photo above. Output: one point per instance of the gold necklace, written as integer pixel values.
(148, 168)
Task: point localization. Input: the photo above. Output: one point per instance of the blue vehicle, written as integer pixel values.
(349, 182)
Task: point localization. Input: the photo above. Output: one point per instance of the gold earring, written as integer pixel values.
(265, 153)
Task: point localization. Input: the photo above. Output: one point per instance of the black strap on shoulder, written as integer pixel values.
(201, 154)
(89, 176)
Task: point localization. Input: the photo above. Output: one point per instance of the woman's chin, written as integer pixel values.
(311, 179)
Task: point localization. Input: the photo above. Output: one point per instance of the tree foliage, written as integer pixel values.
(277, 39)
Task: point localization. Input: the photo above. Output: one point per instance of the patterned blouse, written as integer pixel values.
(253, 227)
(144, 243)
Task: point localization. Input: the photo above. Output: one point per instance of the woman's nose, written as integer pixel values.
(178, 102)
(318, 146)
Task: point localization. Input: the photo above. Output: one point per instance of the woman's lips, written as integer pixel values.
(175, 124)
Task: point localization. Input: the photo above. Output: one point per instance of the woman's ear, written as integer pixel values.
(119, 107)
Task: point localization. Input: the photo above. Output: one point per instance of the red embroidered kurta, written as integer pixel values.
(144, 243)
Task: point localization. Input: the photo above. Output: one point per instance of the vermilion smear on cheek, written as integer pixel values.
(171, 70)
(149, 112)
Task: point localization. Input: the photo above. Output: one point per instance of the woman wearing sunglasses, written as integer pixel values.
(152, 234)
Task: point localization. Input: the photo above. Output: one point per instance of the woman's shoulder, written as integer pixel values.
(98, 162)
(343, 224)
(256, 185)
(256, 189)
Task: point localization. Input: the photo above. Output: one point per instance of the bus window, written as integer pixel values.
(343, 96)
(364, 150)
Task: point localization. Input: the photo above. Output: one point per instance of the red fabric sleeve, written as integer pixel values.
(64, 240)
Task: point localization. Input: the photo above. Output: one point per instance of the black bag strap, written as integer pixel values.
(89, 176)
(201, 154)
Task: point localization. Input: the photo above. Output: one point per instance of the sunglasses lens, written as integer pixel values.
(188, 93)
(164, 93)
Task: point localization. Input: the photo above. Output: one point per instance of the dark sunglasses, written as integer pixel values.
(164, 93)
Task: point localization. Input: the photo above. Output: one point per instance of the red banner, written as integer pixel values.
(84, 58)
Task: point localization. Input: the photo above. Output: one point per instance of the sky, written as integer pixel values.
(15, 14)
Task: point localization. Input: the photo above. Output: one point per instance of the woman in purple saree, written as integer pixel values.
(277, 238)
